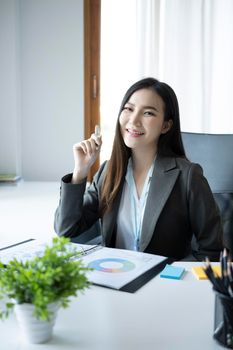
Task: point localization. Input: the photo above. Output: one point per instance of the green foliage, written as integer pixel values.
(52, 277)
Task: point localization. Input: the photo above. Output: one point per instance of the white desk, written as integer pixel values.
(164, 314)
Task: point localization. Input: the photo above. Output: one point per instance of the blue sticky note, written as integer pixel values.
(174, 272)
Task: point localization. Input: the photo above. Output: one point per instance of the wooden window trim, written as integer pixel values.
(92, 13)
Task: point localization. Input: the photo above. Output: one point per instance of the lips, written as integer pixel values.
(134, 133)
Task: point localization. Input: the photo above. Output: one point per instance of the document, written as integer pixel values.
(30, 248)
(23, 251)
(10, 242)
(113, 268)
(116, 268)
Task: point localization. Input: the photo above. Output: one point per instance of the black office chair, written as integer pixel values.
(214, 153)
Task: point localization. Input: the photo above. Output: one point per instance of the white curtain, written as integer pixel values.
(189, 45)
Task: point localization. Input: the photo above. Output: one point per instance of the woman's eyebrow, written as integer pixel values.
(144, 107)
(151, 107)
(129, 103)
(148, 107)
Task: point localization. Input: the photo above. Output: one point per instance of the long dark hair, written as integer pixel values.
(169, 144)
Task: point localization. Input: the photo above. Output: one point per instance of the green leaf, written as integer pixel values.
(54, 276)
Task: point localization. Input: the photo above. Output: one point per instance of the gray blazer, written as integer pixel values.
(180, 204)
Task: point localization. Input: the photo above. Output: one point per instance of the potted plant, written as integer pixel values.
(36, 288)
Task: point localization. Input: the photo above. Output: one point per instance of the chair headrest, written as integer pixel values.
(214, 153)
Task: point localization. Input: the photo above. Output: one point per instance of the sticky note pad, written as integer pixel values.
(199, 272)
(173, 272)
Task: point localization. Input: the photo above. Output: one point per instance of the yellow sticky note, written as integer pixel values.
(199, 272)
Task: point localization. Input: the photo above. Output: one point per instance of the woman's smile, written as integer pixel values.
(134, 133)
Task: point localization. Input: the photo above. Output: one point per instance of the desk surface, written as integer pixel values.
(164, 314)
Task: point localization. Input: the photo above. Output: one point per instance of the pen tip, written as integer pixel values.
(97, 130)
(224, 253)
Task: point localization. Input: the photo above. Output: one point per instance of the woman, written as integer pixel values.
(148, 196)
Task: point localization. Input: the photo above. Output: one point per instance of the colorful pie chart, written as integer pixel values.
(112, 265)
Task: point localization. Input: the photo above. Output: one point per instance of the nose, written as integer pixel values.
(135, 117)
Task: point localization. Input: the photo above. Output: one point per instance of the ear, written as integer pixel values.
(167, 125)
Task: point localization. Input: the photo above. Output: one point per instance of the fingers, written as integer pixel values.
(90, 146)
(97, 139)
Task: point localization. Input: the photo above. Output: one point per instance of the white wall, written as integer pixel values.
(9, 92)
(50, 60)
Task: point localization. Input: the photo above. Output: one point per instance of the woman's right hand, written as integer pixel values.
(85, 154)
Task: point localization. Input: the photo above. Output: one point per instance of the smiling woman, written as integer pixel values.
(148, 195)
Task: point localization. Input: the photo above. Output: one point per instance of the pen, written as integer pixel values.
(97, 130)
(97, 133)
(230, 276)
(87, 251)
(223, 284)
(223, 262)
(216, 281)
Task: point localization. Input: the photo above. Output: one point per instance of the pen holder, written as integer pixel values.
(223, 320)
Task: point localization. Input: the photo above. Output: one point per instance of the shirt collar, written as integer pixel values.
(129, 172)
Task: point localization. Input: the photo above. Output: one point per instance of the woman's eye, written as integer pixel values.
(127, 109)
(149, 113)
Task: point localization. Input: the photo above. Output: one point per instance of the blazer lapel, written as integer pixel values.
(162, 182)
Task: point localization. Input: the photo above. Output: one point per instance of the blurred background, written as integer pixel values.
(186, 43)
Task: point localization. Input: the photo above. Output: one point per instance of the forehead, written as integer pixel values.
(146, 97)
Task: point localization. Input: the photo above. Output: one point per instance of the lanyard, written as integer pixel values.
(138, 205)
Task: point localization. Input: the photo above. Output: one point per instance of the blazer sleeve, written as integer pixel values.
(78, 207)
(204, 216)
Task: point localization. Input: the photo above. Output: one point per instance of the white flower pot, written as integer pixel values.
(34, 330)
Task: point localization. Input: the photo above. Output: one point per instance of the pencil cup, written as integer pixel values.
(223, 320)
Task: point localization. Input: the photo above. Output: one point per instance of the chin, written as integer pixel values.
(130, 145)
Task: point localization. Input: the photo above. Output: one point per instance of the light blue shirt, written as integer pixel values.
(131, 211)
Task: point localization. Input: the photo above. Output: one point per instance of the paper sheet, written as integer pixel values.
(116, 267)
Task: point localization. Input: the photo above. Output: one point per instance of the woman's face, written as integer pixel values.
(142, 120)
